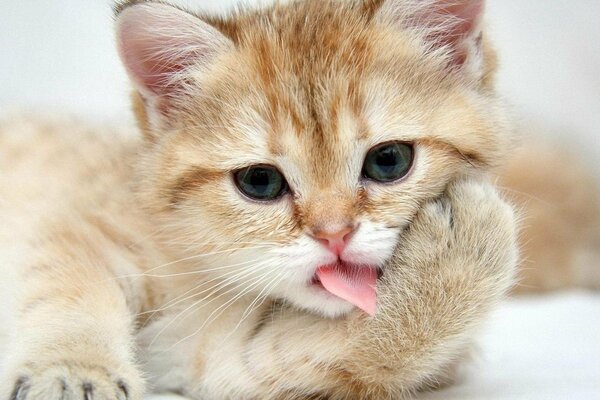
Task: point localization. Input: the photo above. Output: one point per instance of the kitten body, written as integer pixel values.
(79, 326)
(112, 240)
(559, 201)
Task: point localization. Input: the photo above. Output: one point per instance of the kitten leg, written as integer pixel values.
(453, 264)
(72, 330)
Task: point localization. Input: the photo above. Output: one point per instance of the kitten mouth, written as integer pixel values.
(357, 284)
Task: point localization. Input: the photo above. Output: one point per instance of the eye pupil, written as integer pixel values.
(259, 179)
(261, 182)
(388, 162)
(387, 159)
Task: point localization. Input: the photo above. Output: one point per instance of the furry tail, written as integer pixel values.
(559, 202)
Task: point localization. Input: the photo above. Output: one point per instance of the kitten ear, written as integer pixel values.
(451, 25)
(158, 43)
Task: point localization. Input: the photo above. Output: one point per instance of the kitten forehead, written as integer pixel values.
(309, 87)
(328, 155)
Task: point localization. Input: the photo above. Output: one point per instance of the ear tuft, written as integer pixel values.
(158, 43)
(451, 25)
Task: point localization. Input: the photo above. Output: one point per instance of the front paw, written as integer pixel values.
(467, 236)
(73, 380)
(453, 263)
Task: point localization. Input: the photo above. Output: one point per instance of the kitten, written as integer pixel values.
(306, 216)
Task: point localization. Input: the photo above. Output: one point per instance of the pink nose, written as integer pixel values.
(336, 239)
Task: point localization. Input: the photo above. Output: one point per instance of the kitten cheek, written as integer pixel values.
(396, 222)
(270, 221)
(390, 207)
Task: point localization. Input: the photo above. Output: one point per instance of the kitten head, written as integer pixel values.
(296, 142)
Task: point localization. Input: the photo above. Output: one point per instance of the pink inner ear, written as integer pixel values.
(149, 67)
(465, 16)
(448, 23)
(467, 12)
(157, 42)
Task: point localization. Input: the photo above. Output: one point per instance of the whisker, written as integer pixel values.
(204, 255)
(252, 307)
(221, 283)
(199, 271)
(178, 299)
(222, 307)
(146, 274)
(523, 194)
(218, 287)
(278, 278)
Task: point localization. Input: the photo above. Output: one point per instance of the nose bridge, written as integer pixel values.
(330, 211)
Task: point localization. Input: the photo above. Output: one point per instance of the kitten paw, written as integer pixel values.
(453, 264)
(74, 381)
(468, 230)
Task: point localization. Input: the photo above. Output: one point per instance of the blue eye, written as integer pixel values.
(388, 162)
(261, 182)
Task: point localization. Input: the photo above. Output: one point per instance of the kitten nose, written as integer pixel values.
(335, 239)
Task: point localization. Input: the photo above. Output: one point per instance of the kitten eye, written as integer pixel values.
(261, 182)
(388, 162)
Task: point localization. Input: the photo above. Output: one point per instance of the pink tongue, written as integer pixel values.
(353, 284)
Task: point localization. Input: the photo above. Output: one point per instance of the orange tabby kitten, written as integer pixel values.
(306, 216)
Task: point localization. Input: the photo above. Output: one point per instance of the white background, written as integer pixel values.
(59, 55)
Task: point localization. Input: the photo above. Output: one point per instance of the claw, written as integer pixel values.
(123, 387)
(20, 390)
(88, 391)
